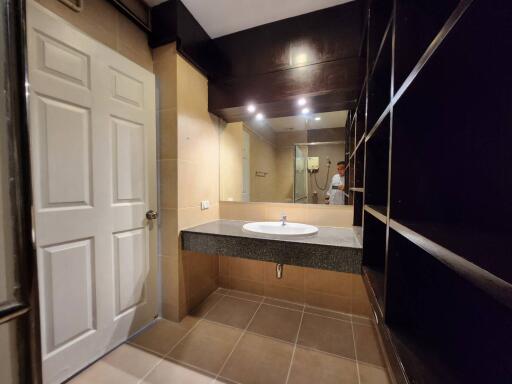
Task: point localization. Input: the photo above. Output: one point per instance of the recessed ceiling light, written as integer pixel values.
(305, 111)
(251, 108)
(260, 116)
(318, 118)
(301, 101)
(301, 58)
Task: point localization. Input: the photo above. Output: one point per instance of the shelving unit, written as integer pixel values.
(355, 171)
(355, 136)
(374, 240)
(433, 177)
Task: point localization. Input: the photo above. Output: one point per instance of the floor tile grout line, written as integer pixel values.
(238, 341)
(355, 352)
(146, 349)
(348, 314)
(328, 317)
(294, 347)
(290, 343)
(304, 309)
(249, 332)
(141, 380)
(178, 342)
(245, 330)
(195, 367)
(263, 302)
(337, 356)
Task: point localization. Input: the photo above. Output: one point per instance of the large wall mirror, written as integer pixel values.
(290, 159)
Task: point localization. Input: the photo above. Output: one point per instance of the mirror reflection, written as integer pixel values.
(292, 159)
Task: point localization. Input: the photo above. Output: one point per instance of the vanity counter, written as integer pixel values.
(332, 248)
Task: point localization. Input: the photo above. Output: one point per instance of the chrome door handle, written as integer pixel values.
(151, 215)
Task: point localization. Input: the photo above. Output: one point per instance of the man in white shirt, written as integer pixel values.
(335, 192)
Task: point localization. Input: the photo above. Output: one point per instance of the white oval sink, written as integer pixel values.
(277, 228)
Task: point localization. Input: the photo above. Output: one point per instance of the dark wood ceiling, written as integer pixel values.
(315, 55)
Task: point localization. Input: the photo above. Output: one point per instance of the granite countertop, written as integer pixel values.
(332, 248)
(330, 236)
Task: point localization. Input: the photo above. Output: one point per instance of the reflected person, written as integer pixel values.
(335, 192)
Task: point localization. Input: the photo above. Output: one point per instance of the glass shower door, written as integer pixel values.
(300, 185)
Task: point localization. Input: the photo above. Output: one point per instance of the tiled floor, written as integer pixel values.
(234, 337)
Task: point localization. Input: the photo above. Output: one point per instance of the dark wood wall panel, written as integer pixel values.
(314, 55)
(457, 113)
(417, 24)
(438, 121)
(165, 23)
(328, 85)
(325, 35)
(335, 100)
(324, 135)
(455, 330)
(173, 22)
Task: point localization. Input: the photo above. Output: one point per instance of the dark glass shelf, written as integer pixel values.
(377, 167)
(377, 211)
(492, 284)
(379, 85)
(417, 23)
(422, 366)
(376, 281)
(358, 209)
(379, 17)
(378, 124)
(438, 272)
(449, 321)
(433, 189)
(374, 254)
(358, 145)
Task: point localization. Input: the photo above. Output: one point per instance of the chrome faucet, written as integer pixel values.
(283, 219)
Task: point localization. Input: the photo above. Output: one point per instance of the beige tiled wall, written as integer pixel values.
(262, 158)
(189, 173)
(104, 23)
(231, 164)
(198, 148)
(171, 268)
(337, 291)
(285, 157)
(201, 277)
(315, 214)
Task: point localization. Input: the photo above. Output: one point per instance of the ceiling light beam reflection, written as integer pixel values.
(301, 59)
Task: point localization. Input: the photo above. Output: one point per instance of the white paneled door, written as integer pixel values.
(92, 128)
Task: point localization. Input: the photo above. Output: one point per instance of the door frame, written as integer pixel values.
(24, 308)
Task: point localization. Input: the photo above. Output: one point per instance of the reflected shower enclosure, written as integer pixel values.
(314, 168)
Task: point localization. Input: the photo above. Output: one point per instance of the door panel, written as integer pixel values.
(128, 149)
(62, 61)
(94, 164)
(65, 154)
(127, 89)
(130, 269)
(69, 288)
